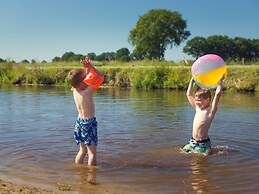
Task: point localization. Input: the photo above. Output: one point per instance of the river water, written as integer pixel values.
(140, 133)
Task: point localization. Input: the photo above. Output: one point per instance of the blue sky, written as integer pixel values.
(43, 29)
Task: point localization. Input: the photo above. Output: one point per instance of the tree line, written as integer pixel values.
(236, 49)
(122, 54)
(160, 29)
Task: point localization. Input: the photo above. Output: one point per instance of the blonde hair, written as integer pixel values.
(75, 77)
(203, 93)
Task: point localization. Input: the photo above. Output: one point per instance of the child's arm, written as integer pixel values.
(215, 102)
(189, 93)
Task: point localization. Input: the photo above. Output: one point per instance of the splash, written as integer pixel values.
(220, 150)
(217, 150)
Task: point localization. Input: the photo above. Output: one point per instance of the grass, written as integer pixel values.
(137, 74)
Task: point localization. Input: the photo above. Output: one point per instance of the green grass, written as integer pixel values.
(137, 74)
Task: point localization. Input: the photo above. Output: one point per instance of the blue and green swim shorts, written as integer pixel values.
(86, 131)
(200, 147)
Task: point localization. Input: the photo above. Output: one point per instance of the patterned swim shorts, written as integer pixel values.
(200, 147)
(86, 131)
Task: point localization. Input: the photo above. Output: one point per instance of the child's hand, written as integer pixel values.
(222, 79)
(86, 62)
(219, 87)
(192, 80)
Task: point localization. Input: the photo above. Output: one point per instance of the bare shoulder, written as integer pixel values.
(88, 91)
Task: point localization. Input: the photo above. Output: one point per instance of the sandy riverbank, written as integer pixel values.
(12, 188)
(9, 187)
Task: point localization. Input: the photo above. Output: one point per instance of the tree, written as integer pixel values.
(123, 54)
(56, 59)
(106, 56)
(33, 61)
(137, 55)
(25, 61)
(70, 56)
(246, 48)
(256, 48)
(155, 31)
(2, 60)
(237, 48)
(216, 44)
(222, 46)
(196, 47)
(92, 56)
(219, 45)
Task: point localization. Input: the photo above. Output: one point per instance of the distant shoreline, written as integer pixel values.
(142, 75)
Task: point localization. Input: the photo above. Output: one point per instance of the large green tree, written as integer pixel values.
(155, 31)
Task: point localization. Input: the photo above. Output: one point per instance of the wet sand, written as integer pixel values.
(12, 188)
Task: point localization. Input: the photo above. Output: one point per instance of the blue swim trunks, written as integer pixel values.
(86, 131)
(200, 147)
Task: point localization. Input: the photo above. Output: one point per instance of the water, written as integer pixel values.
(140, 133)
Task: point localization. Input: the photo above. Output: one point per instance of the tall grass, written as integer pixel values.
(142, 74)
(34, 74)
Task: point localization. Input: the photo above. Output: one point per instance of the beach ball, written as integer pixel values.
(208, 70)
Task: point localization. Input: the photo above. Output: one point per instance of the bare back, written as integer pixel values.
(201, 123)
(84, 102)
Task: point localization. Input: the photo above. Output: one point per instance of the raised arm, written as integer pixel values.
(189, 93)
(215, 102)
(87, 64)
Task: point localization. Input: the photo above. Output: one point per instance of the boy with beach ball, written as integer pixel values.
(205, 110)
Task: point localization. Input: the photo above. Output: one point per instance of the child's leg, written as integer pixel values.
(91, 176)
(91, 150)
(81, 154)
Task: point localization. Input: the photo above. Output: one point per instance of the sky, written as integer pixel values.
(43, 29)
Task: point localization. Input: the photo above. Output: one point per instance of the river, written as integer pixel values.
(140, 133)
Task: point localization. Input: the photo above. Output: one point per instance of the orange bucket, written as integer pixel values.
(93, 79)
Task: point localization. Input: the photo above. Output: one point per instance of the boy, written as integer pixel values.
(200, 141)
(85, 132)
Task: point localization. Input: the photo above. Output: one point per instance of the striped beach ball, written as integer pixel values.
(208, 70)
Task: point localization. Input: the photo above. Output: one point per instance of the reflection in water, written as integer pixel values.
(247, 100)
(87, 179)
(139, 132)
(200, 180)
(88, 175)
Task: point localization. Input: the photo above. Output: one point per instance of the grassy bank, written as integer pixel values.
(142, 74)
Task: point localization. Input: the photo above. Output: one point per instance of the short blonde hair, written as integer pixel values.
(75, 77)
(203, 93)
